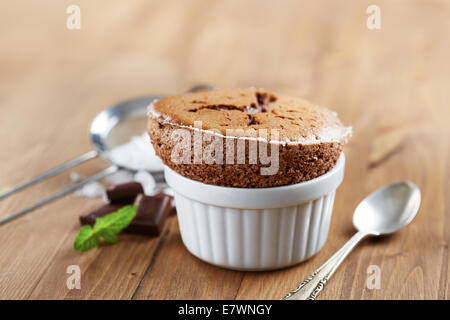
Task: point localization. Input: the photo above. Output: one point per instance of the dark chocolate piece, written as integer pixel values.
(124, 193)
(89, 218)
(151, 214)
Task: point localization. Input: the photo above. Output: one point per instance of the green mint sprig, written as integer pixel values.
(106, 227)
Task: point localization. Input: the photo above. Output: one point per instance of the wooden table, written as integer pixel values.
(391, 85)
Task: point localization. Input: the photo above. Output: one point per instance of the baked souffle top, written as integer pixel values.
(297, 120)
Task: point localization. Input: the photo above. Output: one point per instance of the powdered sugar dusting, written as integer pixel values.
(96, 189)
(147, 181)
(138, 154)
(92, 190)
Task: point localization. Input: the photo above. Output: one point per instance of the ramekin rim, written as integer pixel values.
(279, 196)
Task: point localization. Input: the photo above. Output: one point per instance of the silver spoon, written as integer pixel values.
(110, 128)
(383, 212)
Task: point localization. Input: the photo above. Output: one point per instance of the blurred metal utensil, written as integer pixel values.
(112, 127)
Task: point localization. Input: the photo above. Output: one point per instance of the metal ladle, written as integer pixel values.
(110, 128)
(383, 212)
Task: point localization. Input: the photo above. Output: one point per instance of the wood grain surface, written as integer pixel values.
(391, 85)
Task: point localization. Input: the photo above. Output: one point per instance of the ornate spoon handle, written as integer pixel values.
(310, 287)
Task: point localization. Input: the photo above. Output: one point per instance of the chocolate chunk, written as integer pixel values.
(151, 214)
(124, 193)
(89, 218)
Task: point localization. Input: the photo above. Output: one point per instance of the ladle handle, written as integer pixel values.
(97, 176)
(310, 287)
(69, 164)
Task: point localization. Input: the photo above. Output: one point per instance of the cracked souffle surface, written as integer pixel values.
(231, 122)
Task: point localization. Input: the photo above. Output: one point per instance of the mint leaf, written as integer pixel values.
(109, 236)
(115, 222)
(106, 227)
(86, 239)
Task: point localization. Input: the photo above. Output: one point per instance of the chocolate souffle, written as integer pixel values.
(309, 138)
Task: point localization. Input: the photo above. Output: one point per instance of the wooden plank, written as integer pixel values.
(176, 274)
(391, 85)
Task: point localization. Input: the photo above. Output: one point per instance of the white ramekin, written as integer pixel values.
(255, 228)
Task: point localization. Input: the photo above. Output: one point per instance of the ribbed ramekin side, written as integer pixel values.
(254, 239)
(311, 227)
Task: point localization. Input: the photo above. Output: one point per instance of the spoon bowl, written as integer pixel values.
(388, 209)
